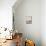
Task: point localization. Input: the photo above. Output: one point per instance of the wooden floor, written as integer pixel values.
(9, 43)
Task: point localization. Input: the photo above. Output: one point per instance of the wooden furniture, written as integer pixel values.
(18, 39)
(9, 37)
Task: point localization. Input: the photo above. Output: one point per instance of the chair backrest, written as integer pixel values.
(18, 37)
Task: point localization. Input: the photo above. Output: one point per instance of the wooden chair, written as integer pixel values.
(18, 39)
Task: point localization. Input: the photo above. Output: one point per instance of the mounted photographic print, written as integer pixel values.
(28, 19)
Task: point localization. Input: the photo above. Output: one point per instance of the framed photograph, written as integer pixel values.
(28, 19)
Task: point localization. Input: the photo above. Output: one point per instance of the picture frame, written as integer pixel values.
(28, 19)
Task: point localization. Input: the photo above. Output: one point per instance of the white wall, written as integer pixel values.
(6, 13)
(34, 11)
(29, 8)
(43, 22)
